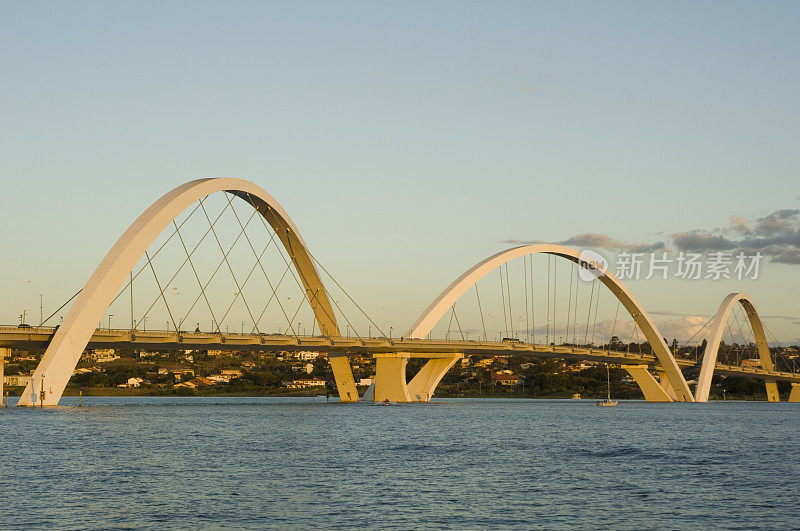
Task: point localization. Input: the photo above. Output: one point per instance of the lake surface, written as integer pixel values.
(138, 462)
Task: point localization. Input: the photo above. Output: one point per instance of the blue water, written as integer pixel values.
(297, 463)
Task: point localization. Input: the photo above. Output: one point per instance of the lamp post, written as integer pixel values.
(179, 324)
(109, 320)
(24, 299)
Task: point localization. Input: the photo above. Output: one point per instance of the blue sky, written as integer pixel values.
(407, 140)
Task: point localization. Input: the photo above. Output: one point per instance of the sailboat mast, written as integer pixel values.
(608, 377)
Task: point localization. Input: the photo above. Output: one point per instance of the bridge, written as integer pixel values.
(659, 371)
(451, 350)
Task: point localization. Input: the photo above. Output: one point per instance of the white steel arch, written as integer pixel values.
(449, 296)
(69, 342)
(714, 337)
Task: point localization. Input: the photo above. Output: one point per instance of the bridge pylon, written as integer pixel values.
(651, 388)
(4, 352)
(794, 396)
(390, 376)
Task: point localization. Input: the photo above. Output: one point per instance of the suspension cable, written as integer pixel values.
(236, 297)
(503, 297)
(525, 276)
(61, 307)
(345, 292)
(548, 302)
(275, 297)
(208, 282)
(480, 310)
(158, 284)
(202, 289)
(575, 311)
(533, 305)
(230, 268)
(569, 298)
(614, 327)
(288, 269)
(302, 287)
(144, 266)
(596, 305)
(196, 276)
(447, 333)
(510, 311)
(589, 313)
(555, 296)
(458, 323)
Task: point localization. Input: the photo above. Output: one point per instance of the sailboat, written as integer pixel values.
(607, 402)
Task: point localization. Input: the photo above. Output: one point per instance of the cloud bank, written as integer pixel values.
(776, 236)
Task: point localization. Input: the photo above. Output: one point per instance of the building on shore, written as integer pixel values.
(304, 383)
(16, 380)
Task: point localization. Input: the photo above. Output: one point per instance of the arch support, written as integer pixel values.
(794, 396)
(423, 385)
(4, 352)
(651, 388)
(452, 293)
(714, 337)
(390, 376)
(665, 385)
(69, 342)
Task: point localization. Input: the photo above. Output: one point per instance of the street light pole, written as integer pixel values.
(24, 299)
(133, 322)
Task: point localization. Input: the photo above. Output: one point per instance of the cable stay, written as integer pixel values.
(569, 301)
(61, 307)
(480, 310)
(533, 305)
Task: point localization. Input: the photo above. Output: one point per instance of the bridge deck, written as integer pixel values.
(37, 337)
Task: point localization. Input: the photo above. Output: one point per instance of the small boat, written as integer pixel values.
(607, 402)
(576, 396)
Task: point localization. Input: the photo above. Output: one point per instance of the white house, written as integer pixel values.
(132, 382)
